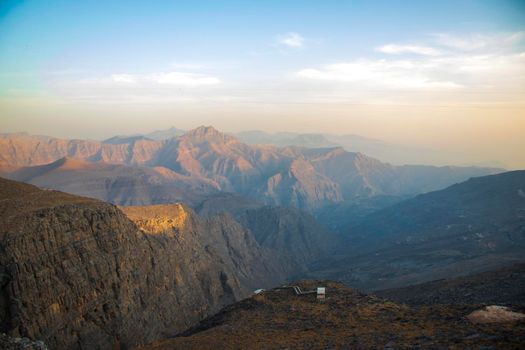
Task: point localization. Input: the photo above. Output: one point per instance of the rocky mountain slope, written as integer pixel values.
(293, 235)
(116, 183)
(78, 273)
(489, 210)
(346, 319)
(19, 150)
(504, 286)
(290, 233)
(474, 226)
(229, 244)
(308, 179)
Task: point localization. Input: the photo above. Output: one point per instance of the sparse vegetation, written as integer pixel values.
(347, 319)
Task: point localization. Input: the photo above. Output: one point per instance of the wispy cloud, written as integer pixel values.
(293, 40)
(495, 71)
(477, 41)
(384, 73)
(445, 62)
(414, 49)
(169, 78)
(131, 88)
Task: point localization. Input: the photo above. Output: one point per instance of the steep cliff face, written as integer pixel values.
(229, 245)
(293, 235)
(78, 273)
(295, 238)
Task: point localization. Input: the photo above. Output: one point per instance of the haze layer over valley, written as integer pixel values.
(299, 202)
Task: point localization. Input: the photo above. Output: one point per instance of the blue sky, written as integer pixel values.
(142, 36)
(366, 67)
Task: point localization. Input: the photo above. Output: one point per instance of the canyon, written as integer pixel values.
(155, 235)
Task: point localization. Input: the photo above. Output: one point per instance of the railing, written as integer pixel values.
(298, 290)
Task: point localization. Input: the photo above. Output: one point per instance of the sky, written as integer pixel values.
(445, 75)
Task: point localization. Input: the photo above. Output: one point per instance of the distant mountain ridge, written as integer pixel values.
(305, 178)
(387, 152)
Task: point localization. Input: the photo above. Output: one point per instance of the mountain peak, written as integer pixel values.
(208, 133)
(204, 131)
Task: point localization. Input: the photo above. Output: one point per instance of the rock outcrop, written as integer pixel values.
(78, 273)
(230, 246)
(10, 343)
(495, 314)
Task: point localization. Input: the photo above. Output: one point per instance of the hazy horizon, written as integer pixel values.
(447, 76)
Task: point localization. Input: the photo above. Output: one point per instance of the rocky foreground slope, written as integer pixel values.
(78, 273)
(504, 286)
(346, 319)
